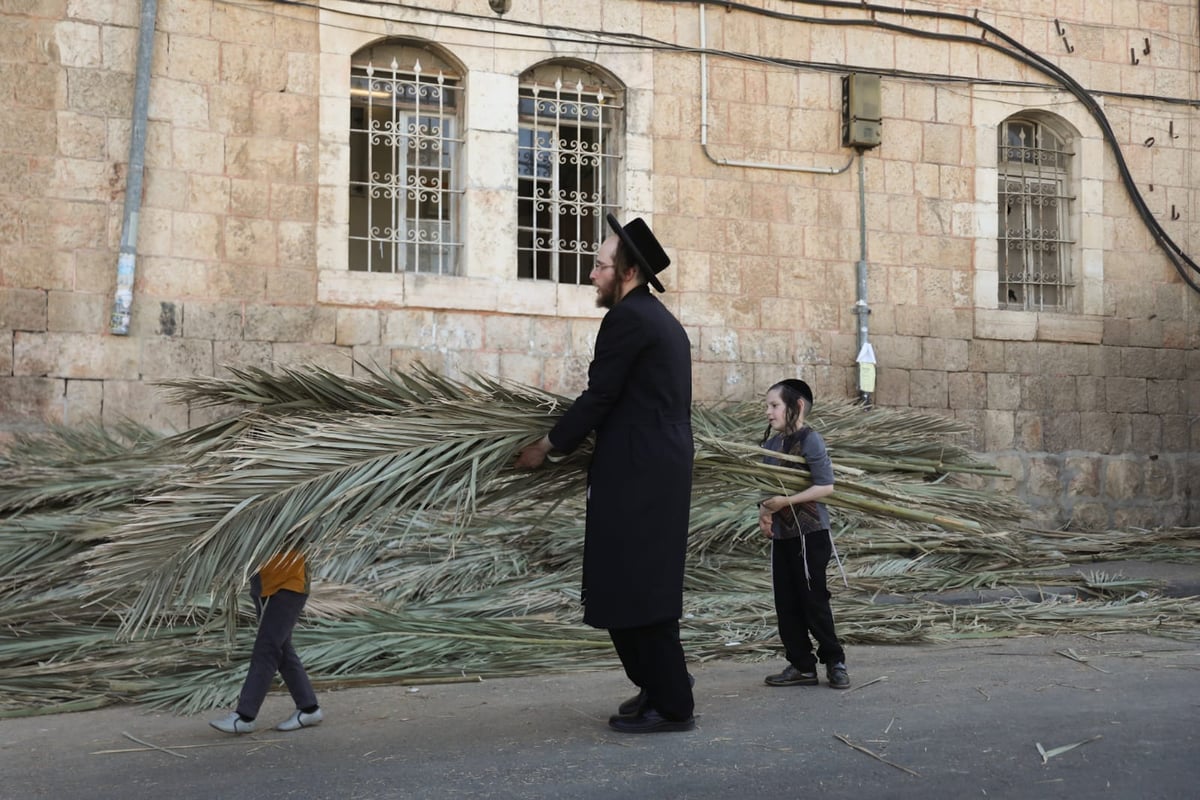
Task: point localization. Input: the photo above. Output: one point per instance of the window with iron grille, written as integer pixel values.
(567, 161)
(404, 148)
(1035, 217)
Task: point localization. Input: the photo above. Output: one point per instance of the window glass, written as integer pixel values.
(404, 148)
(567, 171)
(1035, 207)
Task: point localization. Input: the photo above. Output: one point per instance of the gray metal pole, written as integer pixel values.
(127, 260)
(861, 309)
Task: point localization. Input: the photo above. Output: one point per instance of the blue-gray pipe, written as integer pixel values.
(127, 260)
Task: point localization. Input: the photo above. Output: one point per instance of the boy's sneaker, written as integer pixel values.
(301, 719)
(234, 724)
(792, 677)
(838, 677)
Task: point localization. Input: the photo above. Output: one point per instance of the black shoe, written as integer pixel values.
(837, 675)
(792, 677)
(633, 706)
(637, 704)
(650, 721)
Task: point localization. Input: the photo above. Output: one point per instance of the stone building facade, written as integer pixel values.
(331, 181)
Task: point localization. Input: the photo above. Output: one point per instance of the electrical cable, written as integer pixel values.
(1002, 43)
(1175, 254)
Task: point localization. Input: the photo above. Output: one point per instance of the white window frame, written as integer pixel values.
(404, 211)
(568, 142)
(1034, 203)
(991, 106)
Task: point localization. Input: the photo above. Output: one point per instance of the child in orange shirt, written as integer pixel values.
(279, 590)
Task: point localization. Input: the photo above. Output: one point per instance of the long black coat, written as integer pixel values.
(638, 401)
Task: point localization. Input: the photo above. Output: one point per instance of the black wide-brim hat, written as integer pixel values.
(644, 250)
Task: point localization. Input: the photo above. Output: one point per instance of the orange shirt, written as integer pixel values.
(284, 571)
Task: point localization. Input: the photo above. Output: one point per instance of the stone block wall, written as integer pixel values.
(241, 255)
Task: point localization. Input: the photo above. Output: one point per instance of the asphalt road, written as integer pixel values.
(946, 721)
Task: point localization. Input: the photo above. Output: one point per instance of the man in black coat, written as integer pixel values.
(638, 401)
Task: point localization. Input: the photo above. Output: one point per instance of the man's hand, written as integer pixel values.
(532, 455)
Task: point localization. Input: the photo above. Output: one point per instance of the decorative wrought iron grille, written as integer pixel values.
(1035, 218)
(404, 147)
(567, 167)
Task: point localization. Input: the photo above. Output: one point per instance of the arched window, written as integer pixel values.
(1035, 216)
(405, 135)
(568, 154)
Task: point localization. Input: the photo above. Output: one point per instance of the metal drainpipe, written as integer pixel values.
(866, 386)
(127, 260)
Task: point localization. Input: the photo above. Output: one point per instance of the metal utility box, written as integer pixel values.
(862, 111)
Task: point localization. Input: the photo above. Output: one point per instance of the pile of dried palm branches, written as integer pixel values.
(124, 554)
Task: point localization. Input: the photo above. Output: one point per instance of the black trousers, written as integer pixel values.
(273, 652)
(802, 606)
(653, 659)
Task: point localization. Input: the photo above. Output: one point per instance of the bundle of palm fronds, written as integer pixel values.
(124, 554)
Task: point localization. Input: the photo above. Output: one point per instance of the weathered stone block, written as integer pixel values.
(212, 321)
(241, 354)
(548, 338)
(509, 333)
(1096, 432)
(176, 358)
(1126, 395)
(134, 400)
(291, 286)
(356, 326)
(1089, 393)
(370, 357)
(1042, 477)
(1123, 478)
(289, 324)
(1145, 432)
(407, 329)
(522, 368)
(892, 387)
(967, 390)
(1060, 432)
(1090, 517)
(28, 398)
(912, 320)
(82, 401)
(1134, 516)
(1175, 433)
(1029, 431)
(328, 356)
(1006, 325)
(23, 309)
(77, 312)
(1003, 391)
(1160, 479)
(999, 430)
(985, 356)
(1066, 328)
(1082, 476)
(196, 236)
(6, 353)
(74, 355)
(249, 240)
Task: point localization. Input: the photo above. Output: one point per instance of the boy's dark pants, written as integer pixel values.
(803, 607)
(273, 652)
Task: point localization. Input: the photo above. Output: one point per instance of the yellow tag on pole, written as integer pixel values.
(866, 377)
